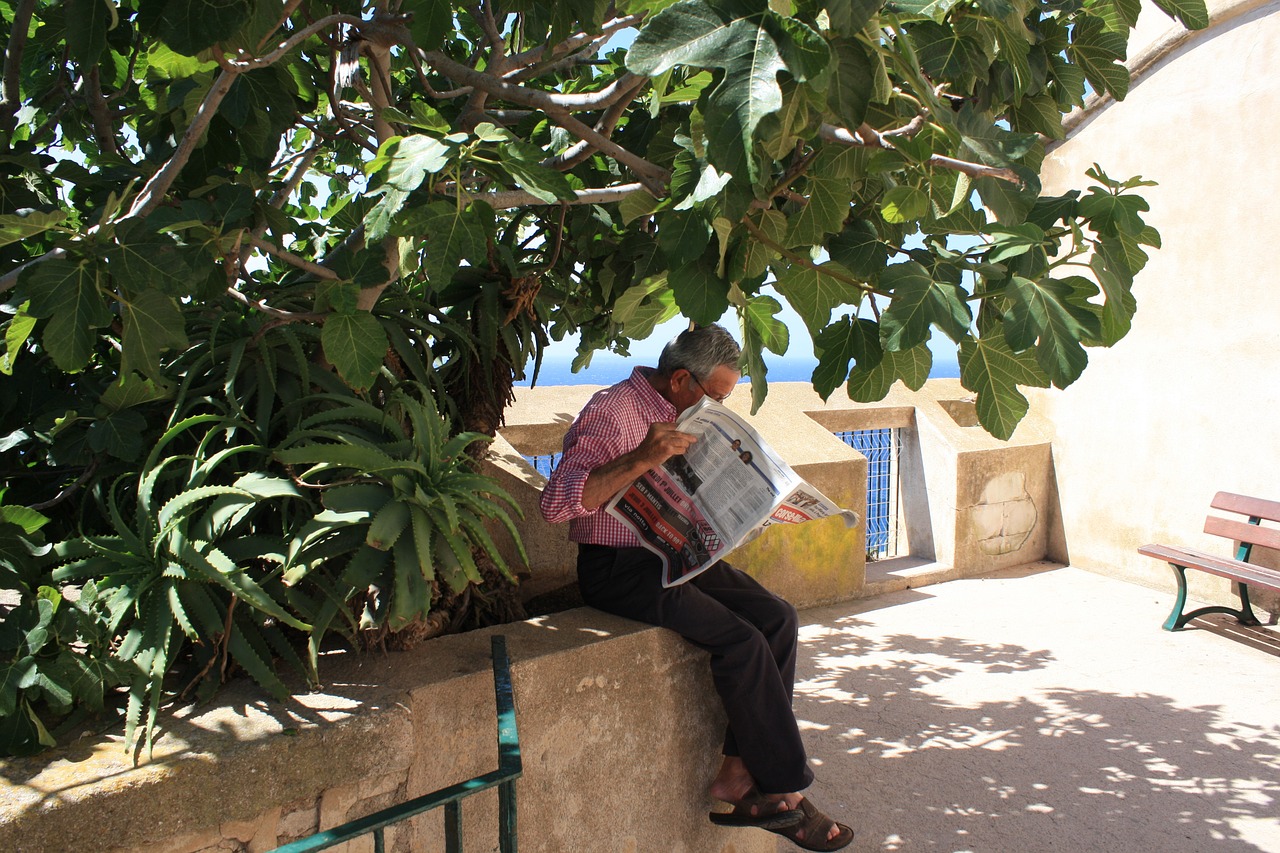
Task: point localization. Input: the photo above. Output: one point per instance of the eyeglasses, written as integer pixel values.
(718, 399)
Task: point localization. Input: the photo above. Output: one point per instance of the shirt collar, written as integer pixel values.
(640, 381)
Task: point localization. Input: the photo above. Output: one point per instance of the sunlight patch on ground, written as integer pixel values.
(821, 688)
(958, 737)
(1084, 789)
(809, 726)
(1257, 831)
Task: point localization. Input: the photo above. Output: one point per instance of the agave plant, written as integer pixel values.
(187, 568)
(404, 509)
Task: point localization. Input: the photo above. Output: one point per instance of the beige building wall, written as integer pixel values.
(1187, 404)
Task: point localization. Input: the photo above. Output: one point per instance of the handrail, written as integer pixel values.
(504, 778)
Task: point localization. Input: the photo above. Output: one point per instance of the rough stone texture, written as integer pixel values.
(255, 835)
(298, 820)
(1005, 504)
(611, 713)
(1005, 517)
(227, 763)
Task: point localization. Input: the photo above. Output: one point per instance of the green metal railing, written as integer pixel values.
(504, 779)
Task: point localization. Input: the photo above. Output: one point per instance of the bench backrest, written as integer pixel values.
(1248, 533)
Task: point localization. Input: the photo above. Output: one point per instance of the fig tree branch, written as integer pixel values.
(653, 177)
(867, 137)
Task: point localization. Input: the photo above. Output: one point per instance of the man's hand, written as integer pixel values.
(661, 443)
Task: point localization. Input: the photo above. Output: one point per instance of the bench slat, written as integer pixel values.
(1245, 505)
(1267, 537)
(1253, 575)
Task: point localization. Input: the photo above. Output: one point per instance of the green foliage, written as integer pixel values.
(403, 510)
(703, 168)
(751, 46)
(54, 650)
(189, 561)
(56, 665)
(220, 221)
(174, 571)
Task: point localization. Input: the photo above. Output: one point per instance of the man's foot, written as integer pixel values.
(735, 785)
(816, 831)
(757, 810)
(732, 782)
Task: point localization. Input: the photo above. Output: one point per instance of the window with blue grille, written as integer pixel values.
(545, 463)
(880, 446)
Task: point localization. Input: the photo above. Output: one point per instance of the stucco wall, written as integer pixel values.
(1186, 404)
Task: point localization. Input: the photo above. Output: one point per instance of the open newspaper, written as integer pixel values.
(697, 507)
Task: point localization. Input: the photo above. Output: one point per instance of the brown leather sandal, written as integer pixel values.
(757, 810)
(810, 833)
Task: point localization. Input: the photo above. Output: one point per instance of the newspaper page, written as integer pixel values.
(696, 508)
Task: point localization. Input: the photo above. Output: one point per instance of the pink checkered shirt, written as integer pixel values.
(613, 422)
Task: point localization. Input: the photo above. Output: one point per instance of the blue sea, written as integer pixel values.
(606, 369)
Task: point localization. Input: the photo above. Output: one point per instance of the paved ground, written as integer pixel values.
(1041, 710)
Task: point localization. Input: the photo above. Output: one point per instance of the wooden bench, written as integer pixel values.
(1244, 573)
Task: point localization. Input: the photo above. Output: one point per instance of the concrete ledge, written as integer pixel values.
(898, 573)
(611, 714)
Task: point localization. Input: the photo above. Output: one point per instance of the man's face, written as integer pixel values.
(687, 389)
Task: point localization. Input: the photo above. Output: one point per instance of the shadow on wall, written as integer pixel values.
(1056, 548)
(184, 739)
(1058, 769)
(916, 518)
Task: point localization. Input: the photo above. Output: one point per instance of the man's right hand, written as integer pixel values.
(660, 443)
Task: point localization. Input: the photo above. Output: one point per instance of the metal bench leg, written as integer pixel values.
(1177, 619)
(1246, 614)
(1174, 622)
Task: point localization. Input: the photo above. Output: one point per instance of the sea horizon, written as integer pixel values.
(606, 369)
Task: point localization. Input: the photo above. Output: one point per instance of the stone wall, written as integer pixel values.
(611, 714)
(969, 504)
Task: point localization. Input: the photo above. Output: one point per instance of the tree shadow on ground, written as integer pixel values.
(914, 746)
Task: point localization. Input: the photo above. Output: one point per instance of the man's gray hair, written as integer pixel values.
(700, 351)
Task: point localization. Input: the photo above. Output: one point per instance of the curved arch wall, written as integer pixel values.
(1189, 402)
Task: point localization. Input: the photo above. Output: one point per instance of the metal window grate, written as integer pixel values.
(880, 446)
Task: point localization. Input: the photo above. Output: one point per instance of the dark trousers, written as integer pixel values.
(751, 635)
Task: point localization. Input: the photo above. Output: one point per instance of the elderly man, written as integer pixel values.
(624, 431)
